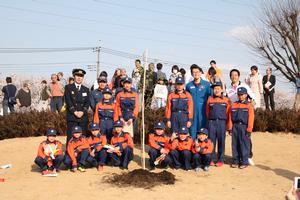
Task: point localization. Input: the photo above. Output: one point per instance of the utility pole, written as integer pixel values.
(97, 50)
(143, 158)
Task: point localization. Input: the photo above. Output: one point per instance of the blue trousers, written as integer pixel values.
(181, 159)
(178, 120)
(42, 163)
(82, 158)
(100, 157)
(201, 159)
(199, 119)
(240, 144)
(154, 154)
(106, 127)
(217, 134)
(124, 159)
(56, 103)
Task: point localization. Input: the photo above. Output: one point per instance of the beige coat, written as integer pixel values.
(255, 84)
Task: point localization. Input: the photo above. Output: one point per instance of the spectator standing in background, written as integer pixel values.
(137, 74)
(44, 96)
(254, 80)
(23, 98)
(56, 92)
(173, 76)
(269, 82)
(159, 72)
(9, 92)
(61, 78)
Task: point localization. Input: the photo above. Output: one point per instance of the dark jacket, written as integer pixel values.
(272, 80)
(77, 101)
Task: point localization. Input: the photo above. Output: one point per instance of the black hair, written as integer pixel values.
(234, 70)
(212, 62)
(8, 80)
(103, 73)
(194, 66)
(212, 71)
(182, 71)
(159, 66)
(44, 81)
(254, 68)
(138, 60)
(175, 67)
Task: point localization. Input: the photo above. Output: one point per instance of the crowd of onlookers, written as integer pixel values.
(157, 87)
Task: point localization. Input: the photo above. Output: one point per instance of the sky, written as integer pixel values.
(171, 31)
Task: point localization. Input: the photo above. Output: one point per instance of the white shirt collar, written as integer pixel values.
(78, 85)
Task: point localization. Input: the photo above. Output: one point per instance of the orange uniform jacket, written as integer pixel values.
(41, 150)
(206, 144)
(127, 96)
(181, 145)
(218, 114)
(184, 95)
(243, 112)
(105, 107)
(77, 145)
(159, 141)
(122, 140)
(97, 142)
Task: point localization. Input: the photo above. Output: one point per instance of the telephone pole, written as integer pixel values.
(97, 50)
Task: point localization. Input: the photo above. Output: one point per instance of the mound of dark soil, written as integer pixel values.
(141, 179)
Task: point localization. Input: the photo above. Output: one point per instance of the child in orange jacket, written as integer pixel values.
(202, 150)
(241, 125)
(50, 155)
(159, 145)
(181, 146)
(122, 146)
(97, 141)
(106, 113)
(78, 151)
(217, 112)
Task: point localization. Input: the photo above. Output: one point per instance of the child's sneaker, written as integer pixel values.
(243, 166)
(198, 169)
(219, 164)
(81, 169)
(205, 169)
(46, 172)
(251, 162)
(212, 163)
(234, 165)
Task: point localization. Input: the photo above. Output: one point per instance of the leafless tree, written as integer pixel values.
(276, 36)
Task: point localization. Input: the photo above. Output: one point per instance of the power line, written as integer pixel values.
(110, 23)
(164, 12)
(121, 35)
(126, 16)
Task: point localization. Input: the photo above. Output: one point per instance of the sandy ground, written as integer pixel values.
(276, 156)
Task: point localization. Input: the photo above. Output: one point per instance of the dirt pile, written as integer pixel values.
(141, 179)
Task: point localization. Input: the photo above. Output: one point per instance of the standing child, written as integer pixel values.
(217, 111)
(97, 141)
(181, 149)
(78, 152)
(202, 150)
(106, 114)
(160, 94)
(179, 110)
(123, 145)
(241, 125)
(159, 146)
(50, 155)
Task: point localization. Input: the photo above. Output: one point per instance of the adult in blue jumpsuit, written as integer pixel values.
(200, 91)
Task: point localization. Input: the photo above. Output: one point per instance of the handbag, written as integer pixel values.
(11, 100)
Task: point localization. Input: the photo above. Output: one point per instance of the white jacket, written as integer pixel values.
(231, 92)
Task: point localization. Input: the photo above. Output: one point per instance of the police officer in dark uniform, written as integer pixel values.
(77, 103)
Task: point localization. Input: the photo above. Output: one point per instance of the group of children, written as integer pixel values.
(109, 142)
(83, 152)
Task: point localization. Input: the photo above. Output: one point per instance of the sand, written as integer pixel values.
(276, 156)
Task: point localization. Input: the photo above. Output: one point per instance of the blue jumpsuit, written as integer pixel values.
(200, 95)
